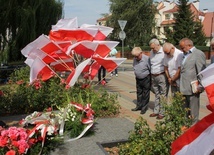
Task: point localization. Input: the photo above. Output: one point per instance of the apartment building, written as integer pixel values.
(165, 18)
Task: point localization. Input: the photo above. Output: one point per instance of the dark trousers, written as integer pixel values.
(102, 71)
(143, 93)
(115, 71)
(192, 103)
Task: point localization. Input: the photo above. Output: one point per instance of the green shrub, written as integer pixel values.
(21, 98)
(144, 140)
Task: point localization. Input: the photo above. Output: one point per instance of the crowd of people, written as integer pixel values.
(168, 68)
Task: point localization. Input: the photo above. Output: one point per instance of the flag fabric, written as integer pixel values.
(73, 35)
(43, 43)
(72, 78)
(42, 55)
(63, 65)
(102, 33)
(93, 70)
(89, 48)
(104, 47)
(29, 61)
(109, 64)
(65, 24)
(207, 80)
(39, 70)
(83, 48)
(197, 140)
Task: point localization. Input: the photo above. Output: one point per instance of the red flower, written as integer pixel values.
(85, 86)
(103, 82)
(37, 84)
(11, 152)
(1, 93)
(49, 109)
(19, 82)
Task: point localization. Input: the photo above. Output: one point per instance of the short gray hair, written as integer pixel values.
(167, 45)
(155, 41)
(136, 51)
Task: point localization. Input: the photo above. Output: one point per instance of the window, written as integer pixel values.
(167, 16)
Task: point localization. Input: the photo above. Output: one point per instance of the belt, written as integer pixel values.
(158, 74)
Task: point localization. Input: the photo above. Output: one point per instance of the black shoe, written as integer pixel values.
(142, 112)
(136, 109)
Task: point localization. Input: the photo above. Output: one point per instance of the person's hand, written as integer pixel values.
(170, 81)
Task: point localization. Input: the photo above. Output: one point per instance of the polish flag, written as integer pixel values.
(197, 140)
(84, 48)
(108, 63)
(29, 61)
(207, 80)
(94, 70)
(42, 55)
(73, 35)
(105, 47)
(63, 65)
(66, 24)
(72, 78)
(43, 43)
(102, 33)
(40, 70)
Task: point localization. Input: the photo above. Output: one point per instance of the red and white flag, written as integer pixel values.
(197, 140)
(73, 35)
(83, 48)
(63, 65)
(43, 43)
(104, 47)
(65, 24)
(102, 33)
(42, 55)
(39, 70)
(94, 70)
(72, 78)
(207, 80)
(109, 64)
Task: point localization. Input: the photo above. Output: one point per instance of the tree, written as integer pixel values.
(187, 25)
(140, 20)
(23, 21)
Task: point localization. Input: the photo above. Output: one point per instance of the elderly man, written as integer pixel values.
(141, 67)
(194, 62)
(172, 66)
(159, 82)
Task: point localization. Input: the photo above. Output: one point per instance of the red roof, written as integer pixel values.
(208, 23)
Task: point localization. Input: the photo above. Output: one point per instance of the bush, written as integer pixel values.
(21, 98)
(144, 140)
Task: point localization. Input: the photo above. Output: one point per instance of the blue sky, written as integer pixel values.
(88, 11)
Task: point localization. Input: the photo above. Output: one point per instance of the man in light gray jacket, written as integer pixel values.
(194, 62)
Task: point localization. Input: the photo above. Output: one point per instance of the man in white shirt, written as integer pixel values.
(172, 66)
(159, 82)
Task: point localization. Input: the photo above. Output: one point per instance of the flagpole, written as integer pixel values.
(62, 62)
(50, 68)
